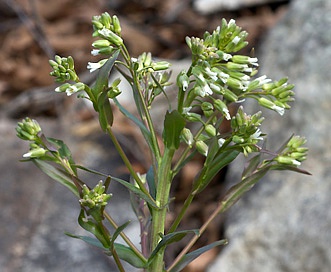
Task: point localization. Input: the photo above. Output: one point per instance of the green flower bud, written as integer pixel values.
(244, 60)
(111, 36)
(106, 20)
(183, 81)
(287, 160)
(116, 25)
(161, 65)
(230, 96)
(210, 130)
(28, 129)
(270, 105)
(35, 153)
(202, 147)
(206, 106)
(187, 136)
(221, 107)
(101, 43)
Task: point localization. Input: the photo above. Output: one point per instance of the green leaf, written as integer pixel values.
(93, 227)
(101, 83)
(289, 168)
(236, 191)
(91, 170)
(57, 175)
(174, 123)
(169, 239)
(209, 171)
(189, 257)
(151, 182)
(146, 133)
(106, 117)
(136, 191)
(124, 253)
(89, 240)
(127, 254)
(118, 232)
(252, 165)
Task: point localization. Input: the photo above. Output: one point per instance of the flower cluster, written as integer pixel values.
(245, 130)
(109, 29)
(28, 129)
(95, 197)
(63, 69)
(294, 152)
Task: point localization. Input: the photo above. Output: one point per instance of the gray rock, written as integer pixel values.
(284, 223)
(212, 6)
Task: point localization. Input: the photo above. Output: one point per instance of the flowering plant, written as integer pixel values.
(217, 77)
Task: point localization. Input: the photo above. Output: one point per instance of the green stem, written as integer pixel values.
(128, 164)
(162, 200)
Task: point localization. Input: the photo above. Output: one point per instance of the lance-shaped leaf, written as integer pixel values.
(169, 239)
(137, 191)
(105, 111)
(127, 254)
(189, 257)
(236, 191)
(209, 171)
(101, 84)
(174, 123)
(56, 174)
(124, 253)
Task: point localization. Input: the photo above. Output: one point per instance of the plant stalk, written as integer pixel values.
(159, 215)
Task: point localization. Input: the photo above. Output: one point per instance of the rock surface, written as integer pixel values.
(284, 223)
(212, 6)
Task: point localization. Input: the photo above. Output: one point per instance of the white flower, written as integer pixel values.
(95, 52)
(93, 66)
(256, 135)
(220, 142)
(280, 110)
(236, 40)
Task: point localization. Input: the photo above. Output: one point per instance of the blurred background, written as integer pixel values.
(35, 212)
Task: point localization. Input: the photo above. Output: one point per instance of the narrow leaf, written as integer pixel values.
(89, 240)
(101, 83)
(57, 175)
(106, 117)
(206, 175)
(136, 191)
(189, 257)
(151, 182)
(118, 232)
(252, 165)
(127, 254)
(169, 239)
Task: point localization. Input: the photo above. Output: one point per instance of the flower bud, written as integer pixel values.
(116, 25)
(35, 152)
(183, 80)
(161, 65)
(221, 107)
(210, 130)
(111, 36)
(187, 136)
(230, 96)
(202, 147)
